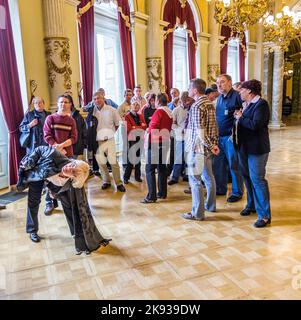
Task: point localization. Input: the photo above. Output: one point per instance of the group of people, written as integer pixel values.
(205, 135)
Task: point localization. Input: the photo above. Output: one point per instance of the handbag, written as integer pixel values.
(24, 139)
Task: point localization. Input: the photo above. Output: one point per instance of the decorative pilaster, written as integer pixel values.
(203, 44)
(278, 72)
(155, 48)
(57, 50)
(296, 89)
(139, 25)
(214, 46)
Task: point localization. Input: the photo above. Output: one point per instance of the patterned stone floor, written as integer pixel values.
(157, 255)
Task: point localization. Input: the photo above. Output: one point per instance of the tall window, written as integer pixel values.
(233, 60)
(108, 62)
(180, 60)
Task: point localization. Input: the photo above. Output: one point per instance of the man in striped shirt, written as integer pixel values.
(201, 145)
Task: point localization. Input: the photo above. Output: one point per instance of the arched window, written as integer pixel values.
(180, 60)
(108, 68)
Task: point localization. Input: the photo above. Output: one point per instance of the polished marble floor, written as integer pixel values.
(155, 254)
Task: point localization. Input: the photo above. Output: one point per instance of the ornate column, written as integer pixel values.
(155, 45)
(214, 46)
(278, 72)
(57, 50)
(268, 75)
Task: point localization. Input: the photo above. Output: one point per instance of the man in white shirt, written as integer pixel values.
(107, 123)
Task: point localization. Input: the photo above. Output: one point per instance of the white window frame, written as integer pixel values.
(233, 45)
(180, 40)
(106, 23)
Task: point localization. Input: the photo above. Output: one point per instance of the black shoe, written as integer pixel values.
(2, 206)
(185, 179)
(220, 194)
(138, 179)
(105, 186)
(262, 223)
(171, 182)
(87, 252)
(187, 191)
(78, 252)
(105, 242)
(161, 197)
(48, 210)
(147, 201)
(34, 237)
(233, 198)
(247, 212)
(121, 188)
(126, 181)
(97, 173)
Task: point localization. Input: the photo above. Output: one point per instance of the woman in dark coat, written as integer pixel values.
(66, 178)
(251, 137)
(33, 123)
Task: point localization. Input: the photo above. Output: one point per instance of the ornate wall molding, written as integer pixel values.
(154, 74)
(57, 51)
(213, 72)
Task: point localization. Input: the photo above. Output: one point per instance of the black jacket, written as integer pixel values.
(42, 163)
(81, 143)
(92, 124)
(36, 132)
(252, 130)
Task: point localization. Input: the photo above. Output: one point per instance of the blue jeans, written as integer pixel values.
(200, 167)
(227, 155)
(253, 170)
(179, 161)
(209, 180)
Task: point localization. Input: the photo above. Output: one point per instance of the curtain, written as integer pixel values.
(86, 42)
(10, 92)
(126, 43)
(242, 60)
(176, 15)
(225, 32)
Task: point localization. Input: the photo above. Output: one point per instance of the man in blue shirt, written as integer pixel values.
(175, 98)
(227, 103)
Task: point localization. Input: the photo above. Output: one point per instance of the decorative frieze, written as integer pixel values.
(213, 72)
(58, 61)
(154, 74)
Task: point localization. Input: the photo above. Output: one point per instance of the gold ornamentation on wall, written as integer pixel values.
(213, 72)
(154, 74)
(58, 60)
(183, 3)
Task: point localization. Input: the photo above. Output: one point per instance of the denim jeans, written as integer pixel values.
(150, 168)
(195, 165)
(209, 180)
(179, 161)
(253, 168)
(227, 155)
